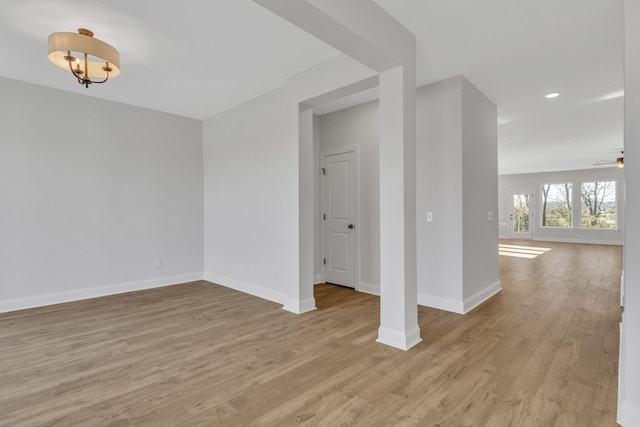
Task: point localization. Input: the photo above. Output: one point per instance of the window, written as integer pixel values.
(520, 213)
(598, 204)
(556, 205)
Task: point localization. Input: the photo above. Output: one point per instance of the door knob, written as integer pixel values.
(350, 226)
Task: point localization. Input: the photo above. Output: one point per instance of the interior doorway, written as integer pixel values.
(339, 206)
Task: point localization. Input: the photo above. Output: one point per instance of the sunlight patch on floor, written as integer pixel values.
(528, 252)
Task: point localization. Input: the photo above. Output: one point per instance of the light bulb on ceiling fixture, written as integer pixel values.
(552, 95)
(63, 47)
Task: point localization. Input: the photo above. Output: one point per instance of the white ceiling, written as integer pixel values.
(199, 57)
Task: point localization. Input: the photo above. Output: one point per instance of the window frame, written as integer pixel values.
(556, 227)
(617, 210)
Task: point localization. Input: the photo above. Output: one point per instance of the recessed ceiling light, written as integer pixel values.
(552, 95)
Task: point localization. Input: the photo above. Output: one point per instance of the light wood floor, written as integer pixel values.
(543, 352)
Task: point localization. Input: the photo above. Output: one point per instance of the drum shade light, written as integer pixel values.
(90, 60)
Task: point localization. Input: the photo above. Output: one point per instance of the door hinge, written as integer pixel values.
(324, 171)
(324, 217)
(324, 262)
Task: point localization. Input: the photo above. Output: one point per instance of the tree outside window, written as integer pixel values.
(521, 213)
(598, 204)
(556, 205)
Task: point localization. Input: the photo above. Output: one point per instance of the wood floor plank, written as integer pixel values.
(543, 351)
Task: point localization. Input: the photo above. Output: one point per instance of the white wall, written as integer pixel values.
(509, 183)
(439, 179)
(481, 275)
(457, 181)
(317, 255)
(248, 177)
(629, 368)
(91, 193)
(254, 174)
(359, 126)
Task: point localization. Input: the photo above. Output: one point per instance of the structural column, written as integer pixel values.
(398, 268)
(298, 296)
(629, 369)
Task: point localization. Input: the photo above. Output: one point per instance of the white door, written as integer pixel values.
(521, 215)
(339, 219)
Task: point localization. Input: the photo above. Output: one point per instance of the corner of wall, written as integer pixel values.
(628, 415)
(481, 296)
(299, 307)
(369, 288)
(439, 303)
(247, 288)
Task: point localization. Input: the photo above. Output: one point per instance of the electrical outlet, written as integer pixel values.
(429, 216)
(157, 263)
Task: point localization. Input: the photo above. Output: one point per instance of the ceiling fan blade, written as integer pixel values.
(616, 151)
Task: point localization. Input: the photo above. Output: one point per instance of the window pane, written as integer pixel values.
(556, 205)
(598, 204)
(520, 213)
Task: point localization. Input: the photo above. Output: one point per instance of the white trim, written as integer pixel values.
(299, 307)
(356, 237)
(480, 297)
(403, 340)
(368, 288)
(446, 304)
(247, 288)
(317, 279)
(629, 415)
(94, 292)
(460, 307)
(586, 241)
(622, 289)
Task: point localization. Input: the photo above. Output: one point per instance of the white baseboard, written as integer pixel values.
(368, 288)
(289, 304)
(629, 415)
(460, 307)
(256, 291)
(299, 307)
(586, 241)
(403, 340)
(480, 297)
(445, 304)
(94, 292)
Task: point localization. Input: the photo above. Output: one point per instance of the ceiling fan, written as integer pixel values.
(618, 161)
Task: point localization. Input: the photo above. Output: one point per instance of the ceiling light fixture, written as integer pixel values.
(552, 95)
(96, 61)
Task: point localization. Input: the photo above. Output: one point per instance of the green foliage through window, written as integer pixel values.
(521, 213)
(556, 205)
(598, 208)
